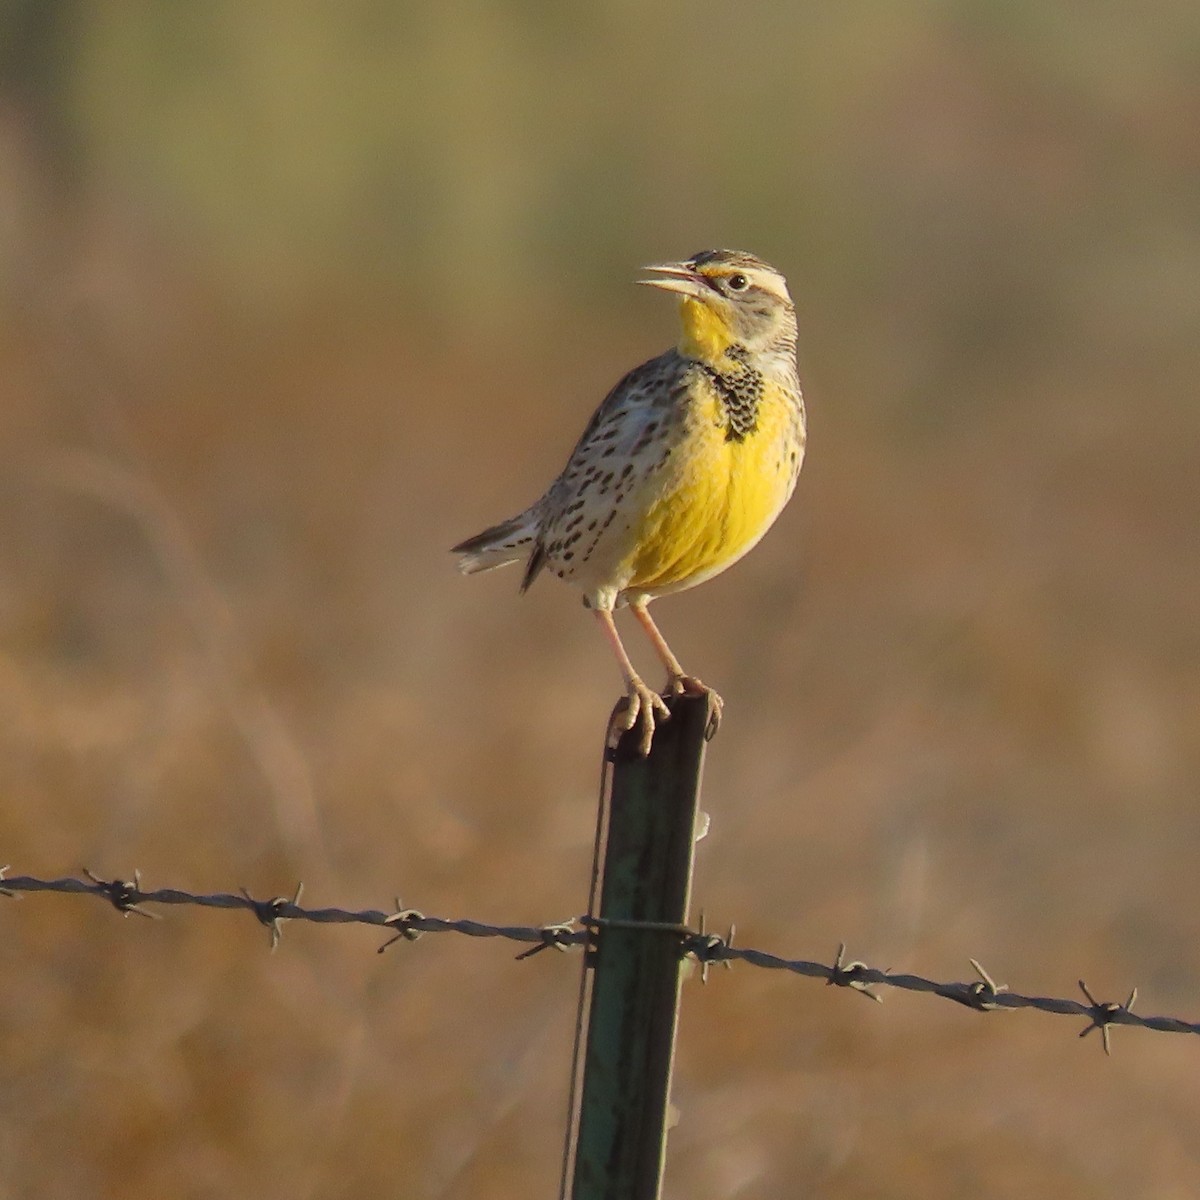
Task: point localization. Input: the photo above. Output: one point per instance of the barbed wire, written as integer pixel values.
(983, 994)
(128, 896)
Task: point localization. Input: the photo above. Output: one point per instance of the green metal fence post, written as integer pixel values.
(621, 1133)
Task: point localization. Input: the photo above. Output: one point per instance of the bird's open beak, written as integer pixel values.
(679, 277)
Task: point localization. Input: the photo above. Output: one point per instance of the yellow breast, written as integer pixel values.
(720, 497)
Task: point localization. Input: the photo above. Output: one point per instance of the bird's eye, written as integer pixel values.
(738, 282)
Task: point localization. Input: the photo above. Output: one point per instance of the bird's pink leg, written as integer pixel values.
(679, 682)
(642, 706)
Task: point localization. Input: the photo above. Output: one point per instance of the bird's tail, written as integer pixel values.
(501, 544)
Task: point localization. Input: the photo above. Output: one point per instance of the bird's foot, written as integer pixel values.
(641, 707)
(686, 685)
(689, 685)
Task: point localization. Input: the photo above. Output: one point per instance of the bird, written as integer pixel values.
(681, 470)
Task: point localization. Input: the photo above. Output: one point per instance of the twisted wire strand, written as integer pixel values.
(982, 994)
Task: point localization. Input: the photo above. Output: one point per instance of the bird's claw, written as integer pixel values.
(689, 685)
(641, 707)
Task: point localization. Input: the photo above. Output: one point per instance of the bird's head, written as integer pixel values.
(729, 298)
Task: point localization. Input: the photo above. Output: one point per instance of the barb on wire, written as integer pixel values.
(982, 994)
(402, 922)
(125, 895)
(557, 937)
(271, 912)
(708, 948)
(1102, 1015)
(848, 975)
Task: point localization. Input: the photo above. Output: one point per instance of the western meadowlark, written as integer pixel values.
(681, 470)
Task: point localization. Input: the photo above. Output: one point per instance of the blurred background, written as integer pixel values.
(294, 296)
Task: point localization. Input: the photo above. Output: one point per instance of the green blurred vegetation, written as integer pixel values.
(293, 296)
(479, 146)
